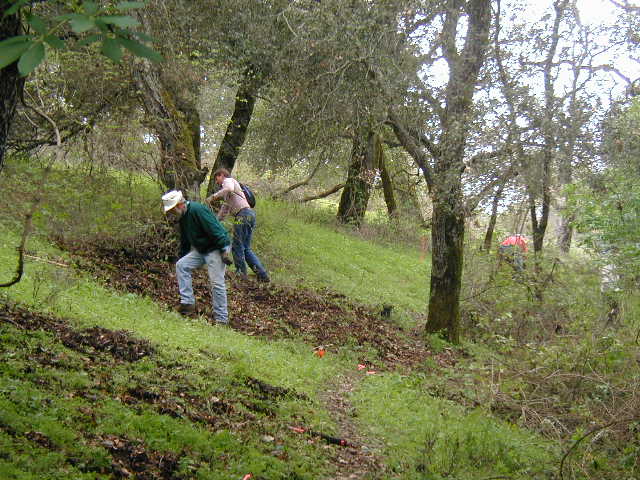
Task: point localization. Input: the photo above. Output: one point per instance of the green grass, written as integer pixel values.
(427, 437)
(387, 405)
(54, 426)
(321, 255)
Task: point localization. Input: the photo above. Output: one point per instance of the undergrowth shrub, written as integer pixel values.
(77, 201)
(558, 364)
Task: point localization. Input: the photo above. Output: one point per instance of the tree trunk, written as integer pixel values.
(10, 82)
(444, 178)
(539, 225)
(236, 132)
(447, 240)
(387, 184)
(178, 131)
(357, 189)
(565, 228)
(565, 168)
(488, 238)
(448, 226)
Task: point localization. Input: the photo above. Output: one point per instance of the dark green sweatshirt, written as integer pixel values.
(200, 229)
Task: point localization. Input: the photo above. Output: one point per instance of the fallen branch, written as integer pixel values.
(324, 194)
(590, 432)
(302, 183)
(327, 438)
(40, 259)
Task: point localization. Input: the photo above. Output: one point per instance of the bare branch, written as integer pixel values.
(300, 184)
(324, 194)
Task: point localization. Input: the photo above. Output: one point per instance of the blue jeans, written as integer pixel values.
(215, 268)
(243, 226)
(513, 255)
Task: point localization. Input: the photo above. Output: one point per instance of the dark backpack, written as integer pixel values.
(248, 194)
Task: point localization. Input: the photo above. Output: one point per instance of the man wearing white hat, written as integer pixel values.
(203, 240)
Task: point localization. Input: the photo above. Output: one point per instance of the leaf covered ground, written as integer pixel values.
(324, 319)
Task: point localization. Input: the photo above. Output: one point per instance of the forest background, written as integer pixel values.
(435, 126)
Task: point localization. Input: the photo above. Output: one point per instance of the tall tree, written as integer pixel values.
(10, 82)
(444, 178)
(364, 159)
(236, 132)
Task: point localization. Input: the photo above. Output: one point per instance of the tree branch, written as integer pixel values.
(408, 142)
(324, 194)
(28, 219)
(300, 184)
(471, 203)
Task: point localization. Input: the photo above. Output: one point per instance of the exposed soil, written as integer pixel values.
(322, 318)
(133, 458)
(120, 344)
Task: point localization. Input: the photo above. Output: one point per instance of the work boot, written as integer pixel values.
(243, 277)
(187, 308)
(226, 259)
(263, 278)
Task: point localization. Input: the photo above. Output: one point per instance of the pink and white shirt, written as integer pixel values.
(233, 197)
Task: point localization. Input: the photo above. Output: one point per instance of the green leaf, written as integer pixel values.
(16, 39)
(141, 50)
(37, 23)
(89, 40)
(11, 51)
(90, 8)
(122, 21)
(14, 8)
(67, 16)
(130, 5)
(31, 59)
(111, 48)
(104, 28)
(82, 23)
(142, 36)
(55, 42)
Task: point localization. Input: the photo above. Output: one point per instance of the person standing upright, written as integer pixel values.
(236, 204)
(203, 241)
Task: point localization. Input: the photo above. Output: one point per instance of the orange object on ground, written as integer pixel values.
(320, 352)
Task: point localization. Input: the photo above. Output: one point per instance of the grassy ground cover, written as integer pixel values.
(439, 421)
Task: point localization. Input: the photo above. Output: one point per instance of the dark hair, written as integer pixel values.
(221, 171)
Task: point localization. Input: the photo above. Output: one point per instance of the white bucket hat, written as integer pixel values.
(171, 199)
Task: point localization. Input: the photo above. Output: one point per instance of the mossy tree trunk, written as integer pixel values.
(176, 123)
(10, 81)
(387, 184)
(357, 189)
(236, 132)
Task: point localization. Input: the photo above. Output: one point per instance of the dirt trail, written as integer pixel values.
(359, 460)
